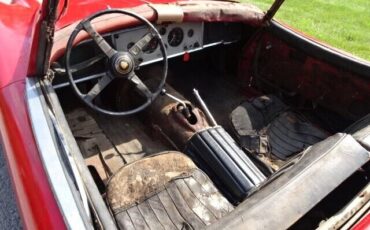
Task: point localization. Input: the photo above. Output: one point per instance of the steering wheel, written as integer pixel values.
(121, 64)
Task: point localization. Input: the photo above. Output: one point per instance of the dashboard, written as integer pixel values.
(177, 38)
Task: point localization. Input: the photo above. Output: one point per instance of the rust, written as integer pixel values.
(166, 114)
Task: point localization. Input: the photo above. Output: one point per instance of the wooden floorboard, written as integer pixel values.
(110, 143)
(95, 146)
(130, 137)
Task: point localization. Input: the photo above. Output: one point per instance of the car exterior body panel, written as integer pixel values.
(36, 202)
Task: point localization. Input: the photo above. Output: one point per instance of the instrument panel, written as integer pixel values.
(178, 39)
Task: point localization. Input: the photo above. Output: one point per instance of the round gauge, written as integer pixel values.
(190, 33)
(151, 47)
(162, 30)
(175, 37)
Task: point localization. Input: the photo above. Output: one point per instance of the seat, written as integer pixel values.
(300, 186)
(266, 125)
(360, 130)
(164, 191)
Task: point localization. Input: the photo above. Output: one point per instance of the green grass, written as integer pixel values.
(344, 24)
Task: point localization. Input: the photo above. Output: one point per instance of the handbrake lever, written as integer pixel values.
(203, 105)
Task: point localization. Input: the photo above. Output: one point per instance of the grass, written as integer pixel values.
(344, 24)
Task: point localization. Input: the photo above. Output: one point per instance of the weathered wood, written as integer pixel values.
(94, 144)
(96, 162)
(130, 138)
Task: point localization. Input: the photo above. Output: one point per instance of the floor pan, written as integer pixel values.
(109, 143)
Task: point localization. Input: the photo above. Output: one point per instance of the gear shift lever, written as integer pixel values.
(185, 109)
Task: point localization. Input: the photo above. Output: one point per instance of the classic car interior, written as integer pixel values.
(213, 120)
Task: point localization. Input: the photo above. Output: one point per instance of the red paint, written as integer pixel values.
(312, 79)
(364, 224)
(186, 57)
(36, 202)
(19, 26)
(35, 199)
(79, 9)
(106, 23)
(16, 26)
(193, 12)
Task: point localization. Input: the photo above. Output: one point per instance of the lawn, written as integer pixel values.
(344, 24)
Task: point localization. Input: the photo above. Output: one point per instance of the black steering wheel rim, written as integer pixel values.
(153, 31)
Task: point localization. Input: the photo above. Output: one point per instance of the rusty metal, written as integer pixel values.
(167, 114)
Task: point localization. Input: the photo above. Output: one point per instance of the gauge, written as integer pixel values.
(151, 47)
(175, 37)
(190, 33)
(162, 30)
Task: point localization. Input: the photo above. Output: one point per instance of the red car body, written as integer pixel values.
(19, 25)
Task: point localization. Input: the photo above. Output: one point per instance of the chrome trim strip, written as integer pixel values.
(51, 160)
(77, 177)
(103, 216)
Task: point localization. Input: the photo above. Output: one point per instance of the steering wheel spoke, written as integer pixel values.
(99, 40)
(140, 85)
(98, 88)
(119, 64)
(140, 45)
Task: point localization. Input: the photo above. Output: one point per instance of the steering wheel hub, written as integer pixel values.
(122, 64)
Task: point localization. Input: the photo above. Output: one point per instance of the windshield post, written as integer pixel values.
(272, 11)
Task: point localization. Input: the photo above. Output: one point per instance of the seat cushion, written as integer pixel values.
(251, 116)
(249, 119)
(290, 133)
(164, 191)
(266, 125)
